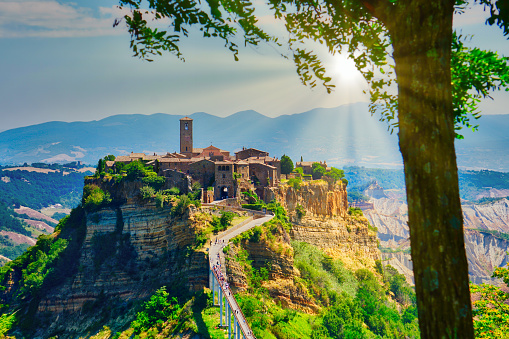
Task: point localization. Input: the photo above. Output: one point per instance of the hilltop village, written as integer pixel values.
(225, 175)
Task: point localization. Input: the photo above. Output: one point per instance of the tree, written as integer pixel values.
(318, 170)
(419, 34)
(286, 164)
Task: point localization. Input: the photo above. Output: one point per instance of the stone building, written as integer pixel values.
(249, 169)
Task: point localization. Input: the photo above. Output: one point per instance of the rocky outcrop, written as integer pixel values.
(485, 252)
(491, 216)
(324, 222)
(349, 239)
(129, 250)
(274, 253)
(317, 197)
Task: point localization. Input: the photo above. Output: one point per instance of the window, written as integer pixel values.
(186, 126)
(227, 168)
(224, 176)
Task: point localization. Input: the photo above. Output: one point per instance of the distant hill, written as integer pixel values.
(345, 135)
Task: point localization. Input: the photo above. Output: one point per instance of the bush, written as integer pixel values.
(136, 170)
(172, 191)
(147, 192)
(295, 182)
(94, 197)
(300, 211)
(154, 181)
(254, 207)
(181, 207)
(159, 308)
(160, 198)
(355, 211)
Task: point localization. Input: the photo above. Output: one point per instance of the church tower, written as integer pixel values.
(186, 136)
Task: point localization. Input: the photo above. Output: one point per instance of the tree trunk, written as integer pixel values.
(422, 53)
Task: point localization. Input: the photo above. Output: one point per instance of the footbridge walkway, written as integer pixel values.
(230, 314)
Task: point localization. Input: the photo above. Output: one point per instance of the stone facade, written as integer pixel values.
(186, 136)
(249, 153)
(249, 169)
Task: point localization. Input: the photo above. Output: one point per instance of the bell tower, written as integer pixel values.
(186, 136)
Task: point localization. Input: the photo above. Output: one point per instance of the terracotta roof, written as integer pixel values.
(123, 158)
(137, 155)
(151, 157)
(197, 160)
(254, 149)
(304, 163)
(173, 160)
(223, 162)
(265, 165)
(241, 162)
(197, 150)
(211, 148)
(186, 118)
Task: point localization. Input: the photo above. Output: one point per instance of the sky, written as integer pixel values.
(63, 61)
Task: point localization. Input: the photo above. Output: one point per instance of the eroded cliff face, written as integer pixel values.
(327, 224)
(323, 221)
(317, 197)
(484, 251)
(275, 254)
(129, 250)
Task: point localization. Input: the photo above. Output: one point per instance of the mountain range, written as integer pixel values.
(345, 135)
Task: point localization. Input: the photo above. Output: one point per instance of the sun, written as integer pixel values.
(343, 70)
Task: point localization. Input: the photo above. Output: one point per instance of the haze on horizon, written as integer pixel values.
(64, 61)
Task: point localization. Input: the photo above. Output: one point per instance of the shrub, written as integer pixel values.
(94, 197)
(181, 206)
(300, 211)
(154, 181)
(355, 211)
(136, 170)
(295, 182)
(172, 191)
(147, 192)
(159, 308)
(255, 207)
(160, 198)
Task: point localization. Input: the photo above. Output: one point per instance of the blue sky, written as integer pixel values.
(64, 61)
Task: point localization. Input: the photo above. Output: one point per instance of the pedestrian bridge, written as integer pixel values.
(230, 314)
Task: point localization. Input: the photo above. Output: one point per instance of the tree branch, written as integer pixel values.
(380, 9)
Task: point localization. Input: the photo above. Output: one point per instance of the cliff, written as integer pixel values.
(271, 251)
(484, 251)
(318, 197)
(129, 249)
(323, 221)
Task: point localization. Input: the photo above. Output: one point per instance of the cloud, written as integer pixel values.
(48, 18)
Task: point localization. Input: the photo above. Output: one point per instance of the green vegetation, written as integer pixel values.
(357, 197)
(220, 224)
(295, 182)
(9, 223)
(491, 308)
(286, 164)
(43, 266)
(300, 211)
(496, 234)
(319, 171)
(159, 308)
(38, 190)
(94, 197)
(355, 211)
(353, 305)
